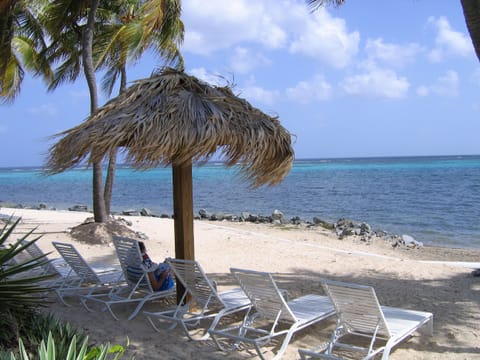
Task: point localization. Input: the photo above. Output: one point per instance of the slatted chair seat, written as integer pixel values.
(360, 314)
(271, 316)
(136, 288)
(200, 301)
(56, 267)
(85, 278)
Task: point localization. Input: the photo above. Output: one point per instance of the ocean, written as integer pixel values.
(434, 199)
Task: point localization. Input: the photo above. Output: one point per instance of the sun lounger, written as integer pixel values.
(55, 266)
(137, 287)
(84, 278)
(271, 316)
(360, 314)
(201, 300)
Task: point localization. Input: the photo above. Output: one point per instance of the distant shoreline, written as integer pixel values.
(427, 252)
(41, 167)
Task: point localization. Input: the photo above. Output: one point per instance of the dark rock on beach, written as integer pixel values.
(78, 208)
(343, 228)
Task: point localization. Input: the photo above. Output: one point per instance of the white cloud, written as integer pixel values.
(305, 92)
(44, 109)
(379, 83)
(446, 85)
(258, 94)
(423, 90)
(243, 60)
(253, 93)
(324, 38)
(448, 41)
(391, 54)
(209, 77)
(217, 24)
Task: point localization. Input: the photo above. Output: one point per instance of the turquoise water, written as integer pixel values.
(434, 199)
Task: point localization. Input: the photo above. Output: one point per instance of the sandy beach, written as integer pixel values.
(432, 279)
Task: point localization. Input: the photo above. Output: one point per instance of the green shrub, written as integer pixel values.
(50, 351)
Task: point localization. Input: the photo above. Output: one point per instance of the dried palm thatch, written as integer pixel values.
(172, 118)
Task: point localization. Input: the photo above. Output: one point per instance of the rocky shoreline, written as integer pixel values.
(342, 228)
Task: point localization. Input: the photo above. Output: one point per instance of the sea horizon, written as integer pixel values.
(435, 199)
(122, 164)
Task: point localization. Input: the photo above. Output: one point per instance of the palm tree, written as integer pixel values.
(127, 37)
(160, 26)
(21, 45)
(79, 18)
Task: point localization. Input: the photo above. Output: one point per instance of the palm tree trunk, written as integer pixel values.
(6, 6)
(99, 211)
(112, 163)
(471, 12)
(107, 194)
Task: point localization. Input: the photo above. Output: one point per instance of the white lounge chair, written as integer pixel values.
(136, 289)
(360, 314)
(83, 277)
(55, 266)
(200, 301)
(271, 316)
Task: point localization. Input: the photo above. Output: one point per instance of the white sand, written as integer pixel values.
(431, 279)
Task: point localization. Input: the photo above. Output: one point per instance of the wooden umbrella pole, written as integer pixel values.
(183, 215)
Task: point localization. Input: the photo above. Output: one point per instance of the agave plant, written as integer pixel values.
(48, 351)
(19, 285)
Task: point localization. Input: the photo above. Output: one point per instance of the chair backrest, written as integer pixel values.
(36, 253)
(357, 307)
(264, 294)
(196, 282)
(130, 259)
(76, 262)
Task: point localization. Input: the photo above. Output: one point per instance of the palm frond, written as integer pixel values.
(11, 81)
(315, 4)
(109, 80)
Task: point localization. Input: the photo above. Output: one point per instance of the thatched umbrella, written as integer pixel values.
(175, 119)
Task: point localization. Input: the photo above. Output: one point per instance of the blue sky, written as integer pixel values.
(371, 78)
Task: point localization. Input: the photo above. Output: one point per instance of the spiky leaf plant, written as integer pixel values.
(48, 351)
(19, 285)
(20, 292)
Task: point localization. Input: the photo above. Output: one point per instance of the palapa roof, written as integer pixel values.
(173, 118)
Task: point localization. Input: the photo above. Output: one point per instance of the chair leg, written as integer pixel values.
(84, 302)
(172, 326)
(285, 343)
(137, 309)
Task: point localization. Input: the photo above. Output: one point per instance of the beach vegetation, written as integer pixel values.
(33, 326)
(123, 30)
(19, 283)
(21, 296)
(22, 45)
(52, 349)
(128, 36)
(20, 290)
